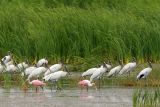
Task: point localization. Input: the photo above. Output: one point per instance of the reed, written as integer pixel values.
(90, 29)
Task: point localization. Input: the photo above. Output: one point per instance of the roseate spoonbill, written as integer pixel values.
(145, 72)
(115, 70)
(128, 67)
(86, 83)
(37, 83)
(41, 62)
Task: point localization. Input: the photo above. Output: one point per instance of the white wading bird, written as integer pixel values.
(23, 65)
(98, 73)
(41, 62)
(145, 72)
(54, 77)
(38, 71)
(7, 58)
(54, 68)
(109, 66)
(28, 70)
(114, 71)
(128, 67)
(89, 71)
(11, 68)
(1, 67)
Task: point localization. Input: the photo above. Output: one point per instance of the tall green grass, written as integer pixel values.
(75, 29)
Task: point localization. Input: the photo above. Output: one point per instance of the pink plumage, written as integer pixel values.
(37, 83)
(84, 83)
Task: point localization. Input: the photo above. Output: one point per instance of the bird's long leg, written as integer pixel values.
(42, 88)
(87, 88)
(36, 89)
(145, 82)
(52, 85)
(99, 83)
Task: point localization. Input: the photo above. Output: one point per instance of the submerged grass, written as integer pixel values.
(69, 29)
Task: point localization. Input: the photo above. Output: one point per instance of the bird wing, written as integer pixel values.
(89, 72)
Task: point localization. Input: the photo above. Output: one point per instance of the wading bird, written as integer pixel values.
(98, 73)
(114, 71)
(28, 70)
(145, 72)
(54, 77)
(109, 65)
(86, 84)
(41, 62)
(128, 67)
(23, 65)
(38, 71)
(1, 67)
(37, 83)
(7, 58)
(89, 71)
(54, 68)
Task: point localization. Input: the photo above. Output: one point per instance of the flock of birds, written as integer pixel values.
(58, 71)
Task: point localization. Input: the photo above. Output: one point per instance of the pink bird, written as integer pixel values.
(86, 83)
(37, 83)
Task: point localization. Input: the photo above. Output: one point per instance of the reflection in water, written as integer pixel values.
(110, 97)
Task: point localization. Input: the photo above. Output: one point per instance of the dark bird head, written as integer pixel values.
(133, 59)
(120, 62)
(150, 64)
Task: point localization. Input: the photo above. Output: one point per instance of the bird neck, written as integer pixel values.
(150, 65)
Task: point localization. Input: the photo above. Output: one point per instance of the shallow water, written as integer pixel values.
(106, 97)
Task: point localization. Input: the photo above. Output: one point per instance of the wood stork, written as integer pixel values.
(7, 58)
(54, 77)
(98, 73)
(23, 65)
(11, 68)
(1, 68)
(37, 83)
(115, 70)
(128, 67)
(145, 72)
(54, 68)
(38, 71)
(41, 62)
(28, 70)
(86, 83)
(109, 66)
(90, 71)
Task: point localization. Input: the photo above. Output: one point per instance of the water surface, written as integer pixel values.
(106, 97)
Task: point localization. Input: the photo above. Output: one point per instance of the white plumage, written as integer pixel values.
(1, 68)
(98, 73)
(145, 72)
(53, 68)
(89, 72)
(37, 72)
(6, 59)
(115, 70)
(128, 67)
(55, 76)
(22, 65)
(28, 70)
(11, 68)
(41, 62)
